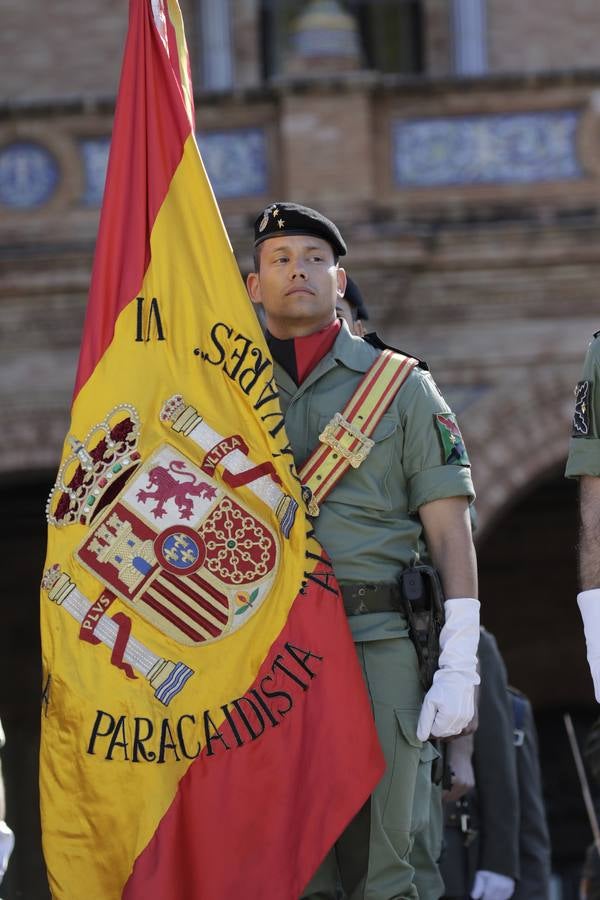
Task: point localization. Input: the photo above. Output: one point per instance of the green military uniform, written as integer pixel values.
(584, 450)
(370, 527)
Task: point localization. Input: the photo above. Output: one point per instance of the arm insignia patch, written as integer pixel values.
(454, 451)
(581, 416)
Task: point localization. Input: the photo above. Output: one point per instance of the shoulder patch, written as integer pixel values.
(454, 451)
(581, 416)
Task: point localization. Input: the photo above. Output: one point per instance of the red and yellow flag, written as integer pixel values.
(205, 730)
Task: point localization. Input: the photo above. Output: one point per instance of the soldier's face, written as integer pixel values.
(298, 283)
(343, 311)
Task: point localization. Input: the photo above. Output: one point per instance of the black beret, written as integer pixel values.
(290, 218)
(354, 297)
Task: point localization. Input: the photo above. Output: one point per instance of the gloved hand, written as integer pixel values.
(589, 605)
(492, 886)
(7, 842)
(448, 704)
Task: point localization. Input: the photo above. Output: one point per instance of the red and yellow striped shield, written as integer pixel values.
(205, 729)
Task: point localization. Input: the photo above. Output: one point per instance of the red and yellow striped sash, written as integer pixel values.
(346, 440)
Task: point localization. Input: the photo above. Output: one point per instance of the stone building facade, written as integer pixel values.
(463, 167)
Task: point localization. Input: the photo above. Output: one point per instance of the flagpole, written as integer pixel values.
(583, 780)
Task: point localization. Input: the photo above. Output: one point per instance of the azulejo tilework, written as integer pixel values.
(236, 161)
(29, 175)
(486, 149)
(94, 154)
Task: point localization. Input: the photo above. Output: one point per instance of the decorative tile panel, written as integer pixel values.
(236, 161)
(94, 155)
(29, 175)
(486, 149)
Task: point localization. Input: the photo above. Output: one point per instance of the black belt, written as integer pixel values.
(370, 598)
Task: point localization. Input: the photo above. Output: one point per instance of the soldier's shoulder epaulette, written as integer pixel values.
(374, 340)
(596, 333)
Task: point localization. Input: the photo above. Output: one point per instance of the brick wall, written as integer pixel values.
(65, 49)
(543, 35)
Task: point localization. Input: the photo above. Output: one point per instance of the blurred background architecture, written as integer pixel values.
(457, 145)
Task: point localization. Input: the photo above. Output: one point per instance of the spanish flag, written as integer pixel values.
(205, 729)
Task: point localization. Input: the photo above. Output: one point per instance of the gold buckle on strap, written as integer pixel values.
(354, 457)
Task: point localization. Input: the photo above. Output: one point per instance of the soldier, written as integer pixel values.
(481, 856)
(584, 463)
(352, 309)
(403, 503)
(7, 838)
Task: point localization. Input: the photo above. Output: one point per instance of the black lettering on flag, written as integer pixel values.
(261, 722)
(46, 694)
(215, 339)
(215, 736)
(180, 738)
(279, 665)
(297, 652)
(268, 392)
(323, 581)
(96, 732)
(138, 751)
(248, 377)
(260, 700)
(165, 744)
(232, 725)
(236, 354)
(154, 313)
(118, 739)
(272, 694)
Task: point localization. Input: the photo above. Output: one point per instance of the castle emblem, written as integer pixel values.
(177, 547)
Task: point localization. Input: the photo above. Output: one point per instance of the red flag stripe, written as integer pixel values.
(159, 607)
(208, 587)
(158, 587)
(150, 129)
(230, 851)
(180, 584)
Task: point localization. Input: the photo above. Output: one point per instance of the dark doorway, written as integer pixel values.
(23, 541)
(528, 587)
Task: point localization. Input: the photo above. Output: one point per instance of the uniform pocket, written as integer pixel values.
(422, 806)
(369, 484)
(408, 801)
(403, 759)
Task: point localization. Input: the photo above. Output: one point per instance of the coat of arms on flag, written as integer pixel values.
(202, 697)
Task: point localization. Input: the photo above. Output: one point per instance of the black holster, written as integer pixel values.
(422, 602)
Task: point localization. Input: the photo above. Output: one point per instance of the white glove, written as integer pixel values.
(449, 703)
(589, 605)
(7, 842)
(492, 886)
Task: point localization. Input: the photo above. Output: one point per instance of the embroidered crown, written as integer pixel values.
(97, 469)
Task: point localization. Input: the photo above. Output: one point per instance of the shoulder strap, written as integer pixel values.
(346, 439)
